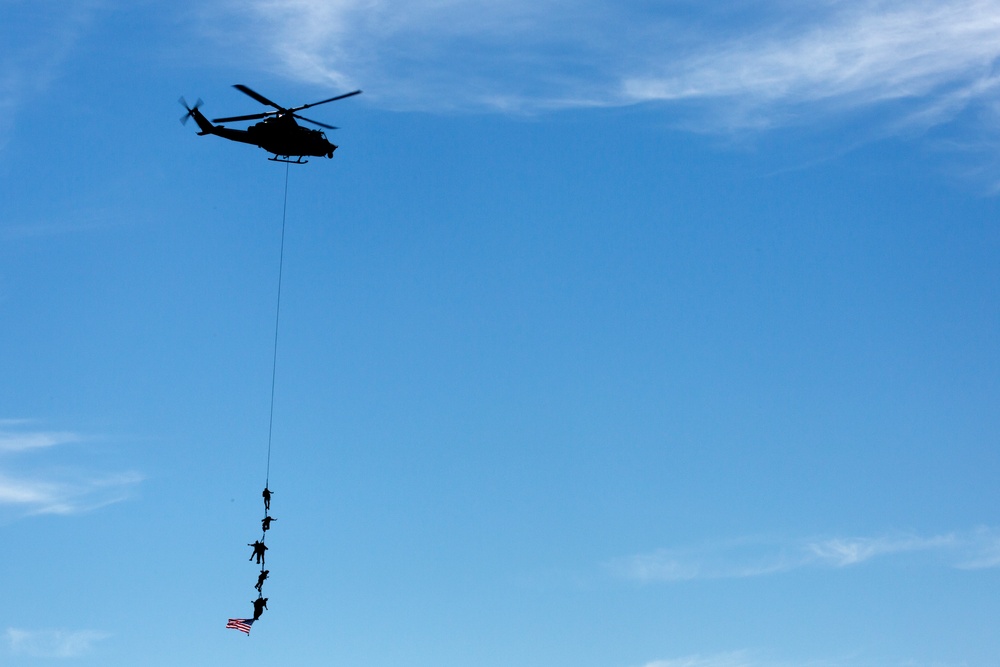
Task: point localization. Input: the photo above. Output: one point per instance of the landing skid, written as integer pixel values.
(286, 158)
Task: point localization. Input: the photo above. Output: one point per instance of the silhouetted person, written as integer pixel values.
(258, 550)
(265, 523)
(267, 498)
(259, 605)
(260, 579)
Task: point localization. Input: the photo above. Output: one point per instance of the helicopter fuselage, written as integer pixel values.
(283, 136)
(280, 135)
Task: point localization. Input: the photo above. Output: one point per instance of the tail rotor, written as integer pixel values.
(190, 110)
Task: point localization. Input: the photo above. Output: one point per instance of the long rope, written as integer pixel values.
(243, 624)
(277, 314)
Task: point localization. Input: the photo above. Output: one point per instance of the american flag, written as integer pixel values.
(241, 624)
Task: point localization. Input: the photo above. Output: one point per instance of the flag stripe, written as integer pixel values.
(241, 624)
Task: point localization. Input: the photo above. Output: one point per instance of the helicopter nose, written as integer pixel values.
(332, 148)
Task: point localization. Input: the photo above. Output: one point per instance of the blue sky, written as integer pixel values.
(615, 335)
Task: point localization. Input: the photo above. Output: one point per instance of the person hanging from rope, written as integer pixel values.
(260, 579)
(266, 493)
(258, 550)
(265, 523)
(259, 605)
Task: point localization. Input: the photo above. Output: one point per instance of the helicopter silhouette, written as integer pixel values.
(278, 133)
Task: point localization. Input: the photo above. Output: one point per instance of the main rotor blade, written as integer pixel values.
(332, 99)
(257, 96)
(315, 122)
(253, 116)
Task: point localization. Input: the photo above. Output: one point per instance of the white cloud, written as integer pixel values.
(22, 492)
(979, 549)
(53, 643)
(19, 442)
(57, 489)
(841, 552)
(435, 54)
(751, 67)
(986, 551)
(736, 559)
(78, 493)
(750, 659)
(939, 54)
(735, 659)
(38, 38)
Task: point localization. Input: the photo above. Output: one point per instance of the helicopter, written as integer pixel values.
(277, 133)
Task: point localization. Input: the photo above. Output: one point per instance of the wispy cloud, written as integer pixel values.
(56, 488)
(753, 557)
(752, 659)
(736, 559)
(82, 492)
(732, 659)
(38, 38)
(841, 552)
(19, 442)
(757, 66)
(940, 55)
(428, 54)
(53, 643)
(985, 555)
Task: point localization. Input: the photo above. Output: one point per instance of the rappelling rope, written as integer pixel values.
(244, 624)
(277, 313)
